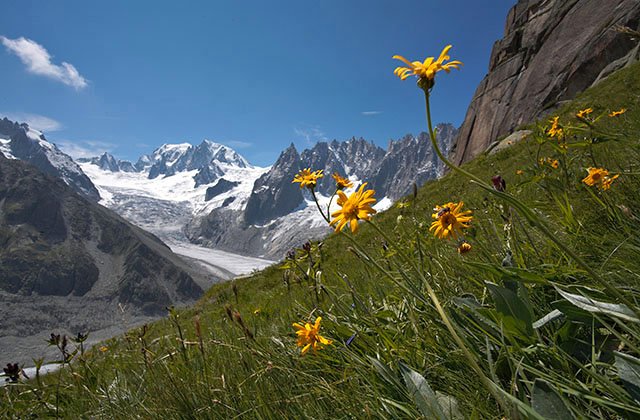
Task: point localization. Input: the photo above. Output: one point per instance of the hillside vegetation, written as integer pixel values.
(540, 319)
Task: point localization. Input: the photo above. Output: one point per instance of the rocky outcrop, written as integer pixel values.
(274, 194)
(222, 186)
(551, 50)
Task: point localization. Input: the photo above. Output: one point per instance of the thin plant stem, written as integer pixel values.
(315, 199)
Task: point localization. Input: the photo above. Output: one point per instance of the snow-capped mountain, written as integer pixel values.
(279, 214)
(210, 195)
(19, 141)
(108, 162)
(173, 184)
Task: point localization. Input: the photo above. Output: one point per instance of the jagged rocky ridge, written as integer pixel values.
(278, 214)
(19, 141)
(69, 264)
(551, 50)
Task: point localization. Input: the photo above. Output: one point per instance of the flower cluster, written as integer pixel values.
(554, 163)
(556, 129)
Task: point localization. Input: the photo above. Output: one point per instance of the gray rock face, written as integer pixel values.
(354, 157)
(222, 186)
(57, 246)
(32, 147)
(551, 50)
(108, 162)
(411, 160)
(274, 194)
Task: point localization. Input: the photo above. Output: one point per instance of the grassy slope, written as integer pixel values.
(152, 375)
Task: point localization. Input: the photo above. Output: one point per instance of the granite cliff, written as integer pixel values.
(551, 50)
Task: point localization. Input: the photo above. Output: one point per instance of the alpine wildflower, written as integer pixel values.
(353, 208)
(599, 177)
(464, 247)
(616, 113)
(583, 113)
(450, 220)
(595, 176)
(341, 183)
(306, 178)
(555, 130)
(309, 336)
(607, 181)
(426, 71)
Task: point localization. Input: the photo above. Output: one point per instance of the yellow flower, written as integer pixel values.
(595, 176)
(306, 178)
(450, 220)
(555, 130)
(341, 183)
(616, 113)
(584, 112)
(357, 206)
(554, 163)
(103, 348)
(519, 172)
(257, 312)
(464, 247)
(309, 336)
(606, 183)
(403, 204)
(427, 69)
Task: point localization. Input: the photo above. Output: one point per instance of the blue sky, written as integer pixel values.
(128, 76)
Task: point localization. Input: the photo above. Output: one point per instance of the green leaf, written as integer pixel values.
(595, 306)
(629, 372)
(510, 273)
(548, 403)
(573, 313)
(384, 371)
(515, 314)
(422, 394)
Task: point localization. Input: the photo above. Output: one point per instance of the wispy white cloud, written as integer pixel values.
(38, 122)
(311, 134)
(38, 61)
(237, 144)
(367, 113)
(84, 149)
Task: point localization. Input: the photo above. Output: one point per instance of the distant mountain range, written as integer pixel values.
(210, 195)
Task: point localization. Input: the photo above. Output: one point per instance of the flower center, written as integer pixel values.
(350, 210)
(448, 219)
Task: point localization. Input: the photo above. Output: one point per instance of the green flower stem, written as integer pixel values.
(534, 219)
(445, 318)
(329, 205)
(315, 199)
